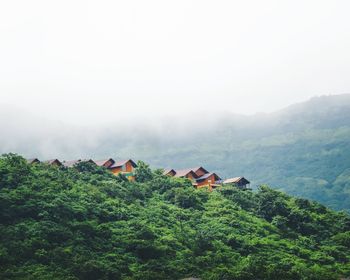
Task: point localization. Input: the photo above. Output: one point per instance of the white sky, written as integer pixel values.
(85, 61)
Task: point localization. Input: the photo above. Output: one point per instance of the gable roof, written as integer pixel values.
(195, 169)
(33, 160)
(53, 161)
(236, 180)
(185, 172)
(122, 162)
(207, 175)
(104, 162)
(167, 171)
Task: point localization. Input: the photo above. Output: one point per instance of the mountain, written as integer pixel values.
(303, 149)
(85, 223)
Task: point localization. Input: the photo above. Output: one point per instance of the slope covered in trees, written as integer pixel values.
(84, 223)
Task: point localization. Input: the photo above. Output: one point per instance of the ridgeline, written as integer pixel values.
(85, 223)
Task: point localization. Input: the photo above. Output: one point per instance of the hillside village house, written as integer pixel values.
(104, 162)
(125, 167)
(33, 160)
(169, 172)
(209, 179)
(199, 176)
(240, 182)
(186, 173)
(200, 171)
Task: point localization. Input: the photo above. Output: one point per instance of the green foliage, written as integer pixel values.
(85, 223)
(142, 172)
(13, 171)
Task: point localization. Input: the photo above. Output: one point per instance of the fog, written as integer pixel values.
(162, 141)
(104, 62)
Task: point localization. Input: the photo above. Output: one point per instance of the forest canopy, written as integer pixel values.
(85, 223)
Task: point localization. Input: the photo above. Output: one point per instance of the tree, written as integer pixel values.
(142, 172)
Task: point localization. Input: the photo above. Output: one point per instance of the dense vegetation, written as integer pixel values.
(84, 223)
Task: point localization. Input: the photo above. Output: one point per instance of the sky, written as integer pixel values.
(83, 61)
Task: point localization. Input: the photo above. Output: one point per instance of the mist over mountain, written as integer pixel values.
(304, 147)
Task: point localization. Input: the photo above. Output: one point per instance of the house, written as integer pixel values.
(169, 172)
(104, 162)
(199, 176)
(33, 160)
(186, 173)
(125, 167)
(240, 182)
(200, 171)
(210, 180)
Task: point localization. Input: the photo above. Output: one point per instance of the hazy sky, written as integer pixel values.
(87, 61)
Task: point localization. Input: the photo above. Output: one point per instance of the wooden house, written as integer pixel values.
(200, 171)
(196, 172)
(54, 162)
(210, 180)
(126, 167)
(240, 182)
(33, 160)
(186, 173)
(105, 162)
(169, 172)
(199, 176)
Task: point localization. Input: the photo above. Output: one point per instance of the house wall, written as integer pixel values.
(56, 163)
(206, 182)
(171, 173)
(126, 168)
(129, 167)
(190, 176)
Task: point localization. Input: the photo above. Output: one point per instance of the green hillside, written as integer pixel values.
(84, 223)
(303, 150)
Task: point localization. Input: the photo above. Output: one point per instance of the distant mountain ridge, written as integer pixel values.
(304, 147)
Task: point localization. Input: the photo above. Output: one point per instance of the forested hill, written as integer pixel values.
(85, 223)
(303, 150)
